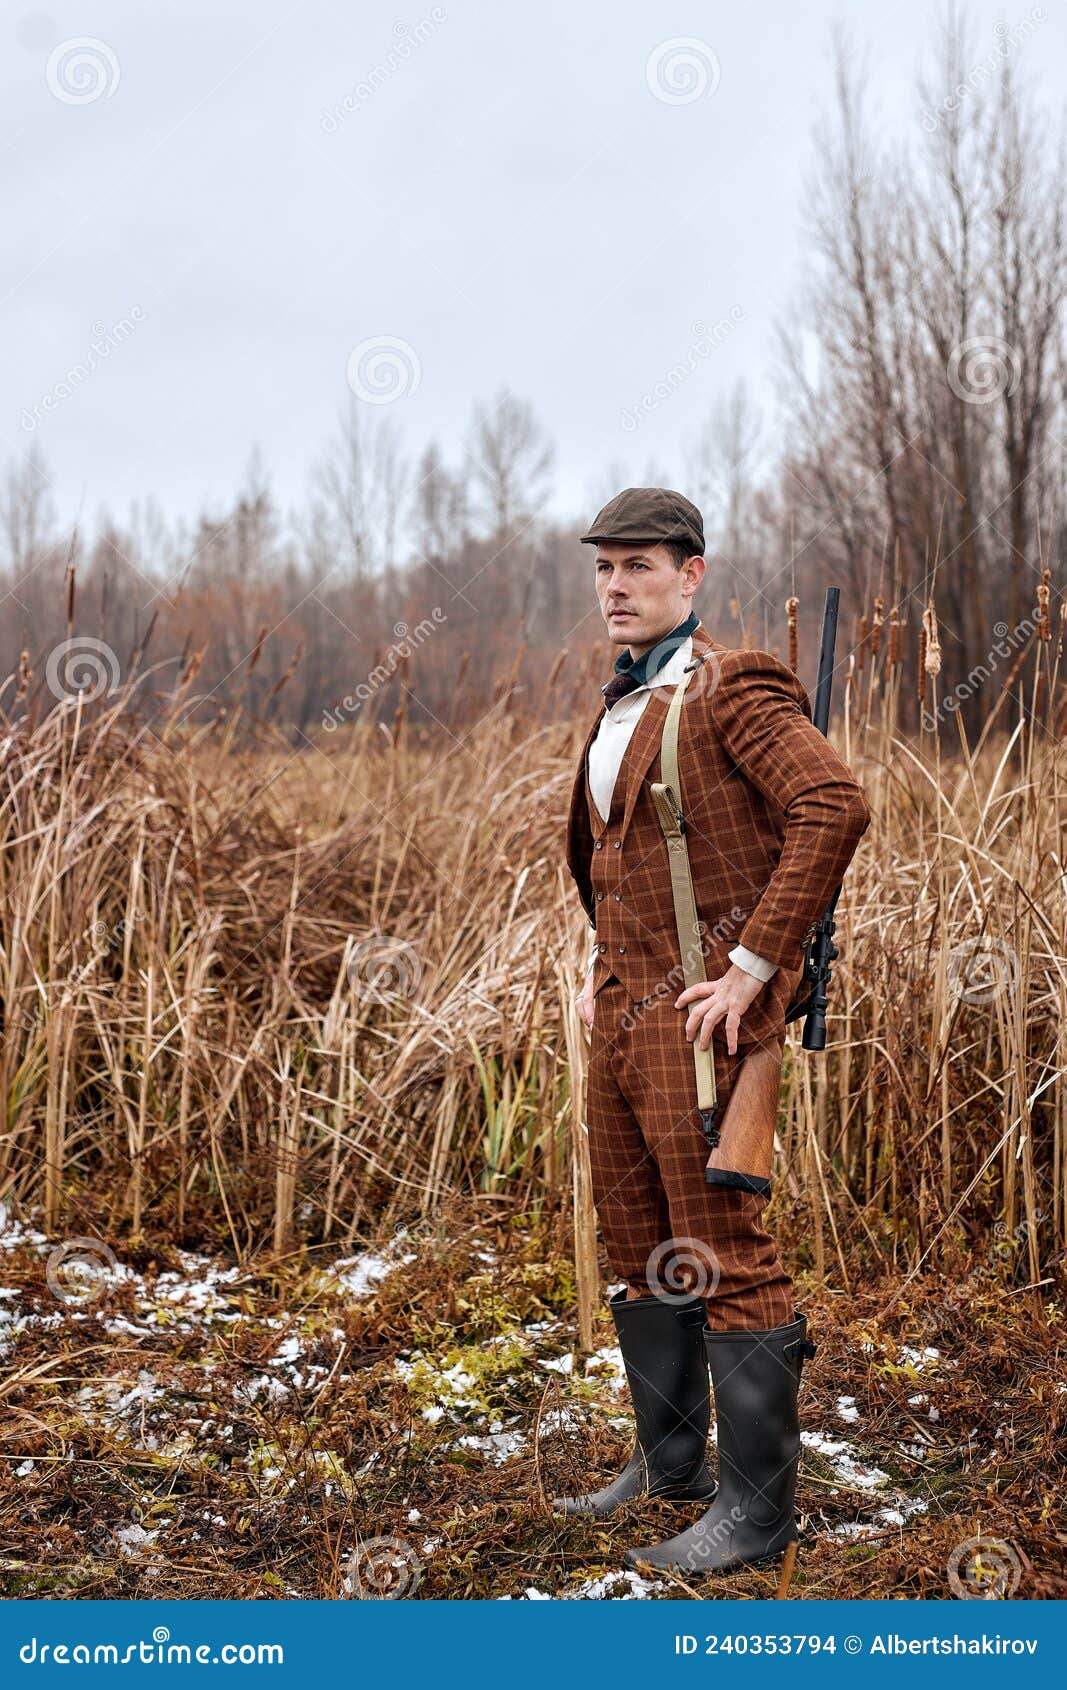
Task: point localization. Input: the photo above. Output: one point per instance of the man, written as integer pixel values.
(772, 817)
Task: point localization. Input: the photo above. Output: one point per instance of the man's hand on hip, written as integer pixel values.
(715, 1000)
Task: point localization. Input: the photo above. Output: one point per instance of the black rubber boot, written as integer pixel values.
(661, 1339)
(756, 1376)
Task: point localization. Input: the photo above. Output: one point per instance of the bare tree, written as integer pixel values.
(510, 459)
(928, 400)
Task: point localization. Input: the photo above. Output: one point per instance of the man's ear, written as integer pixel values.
(695, 568)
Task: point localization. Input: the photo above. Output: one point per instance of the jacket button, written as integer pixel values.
(621, 949)
(618, 844)
(602, 949)
(599, 845)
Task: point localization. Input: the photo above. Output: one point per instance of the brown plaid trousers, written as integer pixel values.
(773, 817)
(663, 1226)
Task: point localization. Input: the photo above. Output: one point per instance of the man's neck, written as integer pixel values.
(637, 651)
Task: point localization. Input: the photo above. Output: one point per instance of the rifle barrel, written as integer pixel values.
(821, 712)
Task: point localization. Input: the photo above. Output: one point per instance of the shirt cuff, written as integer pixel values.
(753, 964)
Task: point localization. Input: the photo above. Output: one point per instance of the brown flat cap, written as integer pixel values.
(649, 513)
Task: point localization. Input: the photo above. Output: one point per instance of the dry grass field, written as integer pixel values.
(291, 1078)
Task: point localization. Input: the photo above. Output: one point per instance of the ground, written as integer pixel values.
(394, 1421)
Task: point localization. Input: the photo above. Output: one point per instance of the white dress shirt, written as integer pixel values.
(609, 748)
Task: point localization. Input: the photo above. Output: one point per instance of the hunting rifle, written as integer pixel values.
(809, 999)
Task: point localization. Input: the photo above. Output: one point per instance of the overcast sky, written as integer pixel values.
(232, 199)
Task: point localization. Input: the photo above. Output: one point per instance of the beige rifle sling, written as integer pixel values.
(667, 797)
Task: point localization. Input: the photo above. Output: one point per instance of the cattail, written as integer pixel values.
(192, 667)
(25, 674)
(861, 656)
(70, 594)
(1044, 632)
(791, 605)
(294, 664)
(876, 626)
(932, 644)
(921, 676)
(892, 656)
(257, 649)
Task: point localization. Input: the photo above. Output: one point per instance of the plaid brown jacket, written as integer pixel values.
(773, 816)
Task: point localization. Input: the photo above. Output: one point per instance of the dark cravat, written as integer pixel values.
(618, 687)
(631, 673)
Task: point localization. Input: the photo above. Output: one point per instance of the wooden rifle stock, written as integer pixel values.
(742, 1153)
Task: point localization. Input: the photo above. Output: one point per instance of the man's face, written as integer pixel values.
(642, 595)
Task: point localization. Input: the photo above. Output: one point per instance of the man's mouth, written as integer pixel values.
(615, 613)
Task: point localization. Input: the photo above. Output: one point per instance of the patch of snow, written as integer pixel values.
(559, 1420)
(266, 1386)
(121, 1406)
(880, 1519)
(635, 1588)
(845, 1462)
(497, 1447)
(846, 1408)
(561, 1364)
(606, 1366)
(134, 1540)
(920, 1359)
(358, 1275)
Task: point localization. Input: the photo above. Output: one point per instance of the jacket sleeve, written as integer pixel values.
(761, 715)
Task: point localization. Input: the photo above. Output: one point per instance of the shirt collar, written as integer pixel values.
(647, 669)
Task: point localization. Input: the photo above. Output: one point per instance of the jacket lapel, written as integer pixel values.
(648, 735)
(579, 830)
(640, 753)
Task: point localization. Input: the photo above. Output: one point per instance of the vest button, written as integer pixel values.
(599, 895)
(621, 949)
(618, 844)
(602, 949)
(618, 897)
(599, 845)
